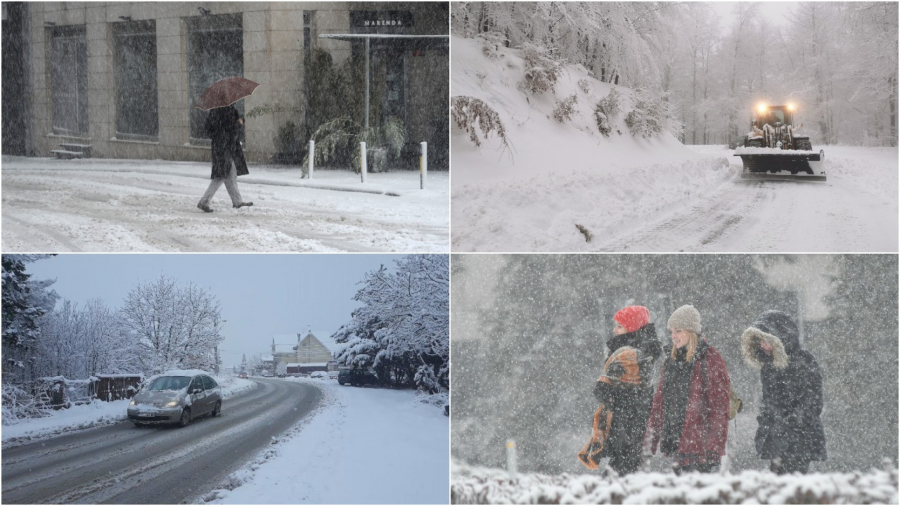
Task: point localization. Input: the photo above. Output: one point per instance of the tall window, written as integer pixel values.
(68, 80)
(137, 101)
(216, 51)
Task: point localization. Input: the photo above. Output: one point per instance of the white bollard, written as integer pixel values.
(511, 457)
(423, 166)
(362, 161)
(312, 156)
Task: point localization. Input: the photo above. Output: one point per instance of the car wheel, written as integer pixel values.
(137, 425)
(185, 417)
(217, 411)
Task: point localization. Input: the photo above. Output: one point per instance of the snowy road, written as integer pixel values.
(838, 215)
(693, 205)
(136, 205)
(127, 465)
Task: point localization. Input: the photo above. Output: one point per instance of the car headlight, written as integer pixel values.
(171, 404)
(131, 403)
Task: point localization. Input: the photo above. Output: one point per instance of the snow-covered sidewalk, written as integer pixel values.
(107, 205)
(95, 414)
(362, 446)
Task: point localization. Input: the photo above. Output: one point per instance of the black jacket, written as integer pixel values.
(789, 419)
(224, 131)
(630, 404)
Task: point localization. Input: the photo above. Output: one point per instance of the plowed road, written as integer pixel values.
(122, 464)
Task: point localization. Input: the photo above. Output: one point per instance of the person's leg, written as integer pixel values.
(231, 186)
(214, 186)
(793, 465)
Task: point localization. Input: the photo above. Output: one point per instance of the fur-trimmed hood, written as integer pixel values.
(777, 329)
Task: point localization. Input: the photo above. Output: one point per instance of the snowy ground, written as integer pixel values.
(91, 415)
(362, 446)
(472, 485)
(634, 194)
(100, 205)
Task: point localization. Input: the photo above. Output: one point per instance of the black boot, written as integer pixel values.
(205, 208)
(243, 204)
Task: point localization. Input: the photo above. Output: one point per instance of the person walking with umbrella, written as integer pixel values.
(223, 125)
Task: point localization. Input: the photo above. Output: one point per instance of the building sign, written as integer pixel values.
(375, 20)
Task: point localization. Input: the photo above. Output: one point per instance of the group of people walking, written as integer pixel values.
(686, 417)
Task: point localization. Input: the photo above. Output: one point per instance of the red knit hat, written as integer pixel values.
(633, 317)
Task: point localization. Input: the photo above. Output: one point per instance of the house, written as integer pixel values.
(120, 79)
(310, 352)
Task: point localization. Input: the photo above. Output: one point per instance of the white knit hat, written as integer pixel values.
(685, 318)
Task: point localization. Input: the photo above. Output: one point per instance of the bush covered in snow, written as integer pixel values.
(606, 111)
(19, 405)
(470, 113)
(651, 115)
(565, 108)
(584, 86)
(491, 42)
(470, 485)
(541, 68)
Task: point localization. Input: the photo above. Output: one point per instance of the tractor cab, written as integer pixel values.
(774, 114)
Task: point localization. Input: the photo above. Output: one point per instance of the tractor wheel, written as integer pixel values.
(803, 145)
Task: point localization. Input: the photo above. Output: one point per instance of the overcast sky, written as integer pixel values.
(774, 11)
(261, 295)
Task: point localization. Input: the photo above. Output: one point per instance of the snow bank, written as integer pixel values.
(557, 174)
(360, 446)
(94, 414)
(471, 485)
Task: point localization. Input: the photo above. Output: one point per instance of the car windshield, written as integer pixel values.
(169, 383)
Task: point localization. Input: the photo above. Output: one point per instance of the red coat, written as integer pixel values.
(706, 418)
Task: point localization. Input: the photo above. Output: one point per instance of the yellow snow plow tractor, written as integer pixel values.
(774, 149)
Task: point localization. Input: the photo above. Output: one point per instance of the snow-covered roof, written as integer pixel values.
(324, 337)
(266, 358)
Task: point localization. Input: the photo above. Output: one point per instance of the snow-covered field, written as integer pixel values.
(472, 485)
(102, 205)
(565, 182)
(362, 446)
(95, 414)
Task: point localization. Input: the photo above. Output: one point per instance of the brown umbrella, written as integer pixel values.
(225, 92)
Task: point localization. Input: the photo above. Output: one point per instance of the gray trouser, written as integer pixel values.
(230, 184)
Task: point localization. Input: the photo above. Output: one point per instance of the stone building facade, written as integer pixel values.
(123, 76)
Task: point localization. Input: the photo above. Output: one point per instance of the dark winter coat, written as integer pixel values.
(224, 130)
(789, 420)
(705, 428)
(630, 404)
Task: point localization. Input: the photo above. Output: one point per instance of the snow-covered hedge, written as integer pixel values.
(470, 485)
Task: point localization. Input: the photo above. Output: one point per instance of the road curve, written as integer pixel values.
(123, 464)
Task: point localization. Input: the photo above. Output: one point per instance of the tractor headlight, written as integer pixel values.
(790, 107)
(762, 108)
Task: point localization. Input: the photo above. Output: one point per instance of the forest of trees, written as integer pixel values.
(836, 60)
(403, 329)
(526, 354)
(161, 325)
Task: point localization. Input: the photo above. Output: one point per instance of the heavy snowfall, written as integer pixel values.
(529, 342)
(110, 205)
(567, 137)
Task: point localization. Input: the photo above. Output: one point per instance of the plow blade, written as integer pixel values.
(789, 166)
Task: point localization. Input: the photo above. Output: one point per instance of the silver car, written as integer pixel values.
(176, 397)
